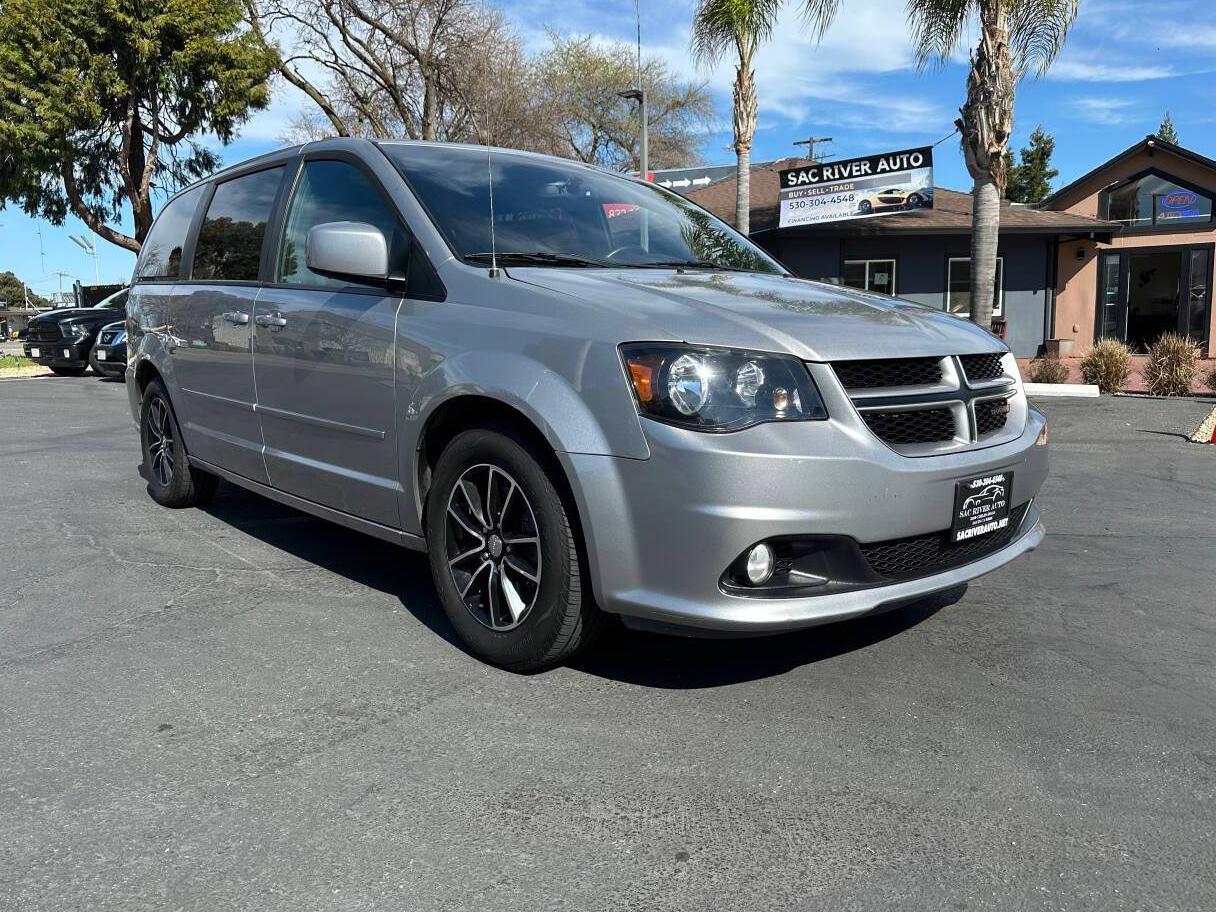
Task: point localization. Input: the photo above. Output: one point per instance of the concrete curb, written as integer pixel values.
(1082, 390)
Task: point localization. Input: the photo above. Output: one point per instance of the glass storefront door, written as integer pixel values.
(1147, 291)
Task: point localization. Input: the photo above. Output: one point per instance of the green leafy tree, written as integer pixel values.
(1166, 131)
(102, 103)
(15, 293)
(1030, 181)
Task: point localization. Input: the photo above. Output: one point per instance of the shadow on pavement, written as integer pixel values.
(646, 659)
(654, 660)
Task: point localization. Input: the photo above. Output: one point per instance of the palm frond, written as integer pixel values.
(1038, 30)
(937, 26)
(721, 24)
(819, 15)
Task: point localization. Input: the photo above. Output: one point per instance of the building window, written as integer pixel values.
(1153, 201)
(871, 275)
(958, 282)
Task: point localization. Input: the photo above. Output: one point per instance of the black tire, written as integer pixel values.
(560, 619)
(172, 481)
(70, 371)
(914, 201)
(865, 206)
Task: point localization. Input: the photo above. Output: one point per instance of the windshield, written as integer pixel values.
(116, 301)
(549, 213)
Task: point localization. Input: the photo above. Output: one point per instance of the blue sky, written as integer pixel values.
(1127, 61)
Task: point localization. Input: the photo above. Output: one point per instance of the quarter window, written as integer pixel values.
(336, 191)
(958, 297)
(161, 254)
(230, 240)
(870, 275)
(1156, 201)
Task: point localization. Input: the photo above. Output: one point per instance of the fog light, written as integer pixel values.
(760, 565)
(1042, 440)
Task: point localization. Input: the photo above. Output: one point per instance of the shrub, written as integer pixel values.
(1210, 379)
(1107, 365)
(1048, 370)
(1171, 365)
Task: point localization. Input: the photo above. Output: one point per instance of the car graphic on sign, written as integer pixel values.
(896, 198)
(988, 497)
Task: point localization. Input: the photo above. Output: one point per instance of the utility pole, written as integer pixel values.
(42, 251)
(62, 276)
(810, 142)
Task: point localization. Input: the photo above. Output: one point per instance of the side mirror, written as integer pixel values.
(347, 250)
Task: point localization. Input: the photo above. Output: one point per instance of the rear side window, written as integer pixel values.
(230, 239)
(161, 254)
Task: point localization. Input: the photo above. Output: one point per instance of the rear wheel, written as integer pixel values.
(505, 559)
(70, 371)
(172, 481)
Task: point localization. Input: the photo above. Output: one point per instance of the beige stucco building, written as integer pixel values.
(1155, 272)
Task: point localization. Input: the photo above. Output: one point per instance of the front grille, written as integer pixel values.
(980, 368)
(857, 375)
(924, 555)
(44, 332)
(991, 415)
(932, 425)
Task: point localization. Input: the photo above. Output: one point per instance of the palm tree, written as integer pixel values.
(1016, 37)
(744, 25)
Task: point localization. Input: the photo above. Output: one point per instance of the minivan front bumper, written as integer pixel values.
(661, 531)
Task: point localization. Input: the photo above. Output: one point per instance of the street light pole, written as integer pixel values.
(89, 247)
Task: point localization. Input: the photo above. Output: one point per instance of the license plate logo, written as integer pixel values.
(35, 353)
(981, 506)
(101, 354)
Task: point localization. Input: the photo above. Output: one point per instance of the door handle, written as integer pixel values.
(236, 317)
(274, 321)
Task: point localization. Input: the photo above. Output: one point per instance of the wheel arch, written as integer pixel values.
(475, 411)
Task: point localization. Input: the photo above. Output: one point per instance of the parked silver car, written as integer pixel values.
(580, 393)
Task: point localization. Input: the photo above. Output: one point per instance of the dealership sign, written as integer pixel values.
(857, 188)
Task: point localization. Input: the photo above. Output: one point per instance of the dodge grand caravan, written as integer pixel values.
(579, 393)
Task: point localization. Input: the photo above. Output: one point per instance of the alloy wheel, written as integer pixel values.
(160, 442)
(493, 547)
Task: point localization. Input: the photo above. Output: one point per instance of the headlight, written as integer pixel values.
(73, 330)
(719, 389)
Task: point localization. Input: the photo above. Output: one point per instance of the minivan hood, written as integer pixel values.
(815, 321)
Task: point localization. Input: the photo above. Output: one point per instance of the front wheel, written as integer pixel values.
(865, 207)
(172, 481)
(504, 556)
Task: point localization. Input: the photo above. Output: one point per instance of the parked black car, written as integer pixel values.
(63, 339)
(109, 357)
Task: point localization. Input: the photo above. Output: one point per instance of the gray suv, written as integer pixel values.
(581, 394)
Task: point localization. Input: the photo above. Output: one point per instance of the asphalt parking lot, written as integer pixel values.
(249, 709)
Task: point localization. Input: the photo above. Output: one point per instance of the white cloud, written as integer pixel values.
(1103, 110)
(1080, 69)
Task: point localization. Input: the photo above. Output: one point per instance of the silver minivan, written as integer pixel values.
(581, 394)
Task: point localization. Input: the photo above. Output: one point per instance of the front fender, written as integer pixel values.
(589, 412)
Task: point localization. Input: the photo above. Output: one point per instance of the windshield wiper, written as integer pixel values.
(540, 258)
(696, 264)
